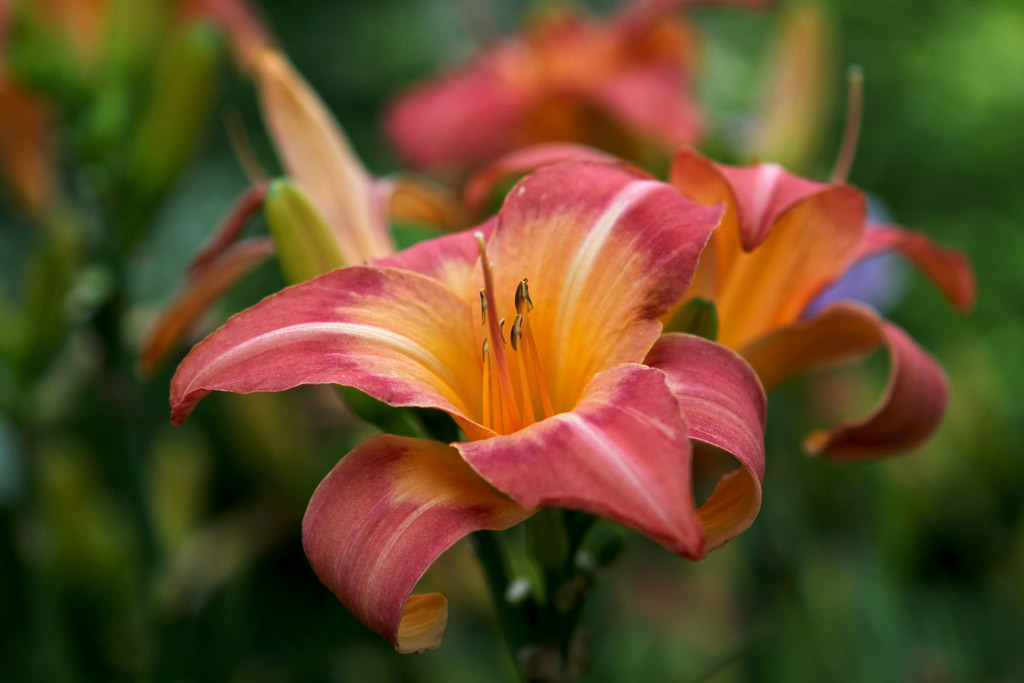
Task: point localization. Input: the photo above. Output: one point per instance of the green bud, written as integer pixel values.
(698, 317)
(305, 245)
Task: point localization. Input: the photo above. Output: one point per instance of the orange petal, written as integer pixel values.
(201, 291)
(416, 200)
(948, 268)
(379, 520)
(317, 155)
(909, 411)
(606, 252)
(799, 236)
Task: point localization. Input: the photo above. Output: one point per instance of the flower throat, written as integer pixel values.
(501, 408)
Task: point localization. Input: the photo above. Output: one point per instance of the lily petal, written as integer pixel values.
(522, 161)
(245, 207)
(465, 118)
(651, 100)
(205, 286)
(758, 194)
(317, 155)
(914, 401)
(450, 260)
(379, 520)
(403, 338)
(622, 454)
(725, 406)
(606, 253)
(948, 268)
(416, 200)
(805, 235)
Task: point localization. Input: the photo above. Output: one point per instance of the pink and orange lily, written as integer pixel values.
(579, 402)
(623, 84)
(783, 241)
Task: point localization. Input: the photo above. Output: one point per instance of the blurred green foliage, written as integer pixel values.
(133, 550)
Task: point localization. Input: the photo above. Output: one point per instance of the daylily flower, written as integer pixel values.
(578, 401)
(617, 84)
(784, 240)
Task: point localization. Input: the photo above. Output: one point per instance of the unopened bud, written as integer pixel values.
(305, 245)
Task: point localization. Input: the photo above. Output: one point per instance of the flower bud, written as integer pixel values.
(305, 245)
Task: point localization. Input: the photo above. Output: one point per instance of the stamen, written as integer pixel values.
(538, 372)
(523, 297)
(523, 363)
(485, 399)
(483, 307)
(504, 381)
(501, 330)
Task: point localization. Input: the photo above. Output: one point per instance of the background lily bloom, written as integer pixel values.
(578, 402)
(616, 84)
(782, 241)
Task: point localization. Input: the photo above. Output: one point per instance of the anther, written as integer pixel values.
(516, 332)
(483, 307)
(523, 296)
(501, 330)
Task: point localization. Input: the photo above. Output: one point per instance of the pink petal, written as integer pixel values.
(622, 453)
(379, 520)
(450, 259)
(401, 337)
(652, 99)
(466, 118)
(724, 404)
(522, 161)
(948, 268)
(907, 414)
